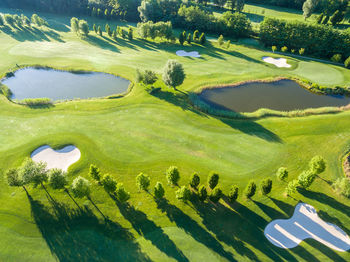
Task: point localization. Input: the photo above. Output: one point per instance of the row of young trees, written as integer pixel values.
(331, 10)
(197, 38)
(21, 20)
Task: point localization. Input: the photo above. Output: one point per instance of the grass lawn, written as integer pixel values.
(148, 133)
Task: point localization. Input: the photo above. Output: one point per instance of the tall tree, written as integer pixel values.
(308, 7)
(173, 74)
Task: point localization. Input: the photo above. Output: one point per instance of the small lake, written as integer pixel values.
(283, 95)
(62, 85)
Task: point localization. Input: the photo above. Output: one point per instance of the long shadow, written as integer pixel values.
(181, 99)
(323, 198)
(101, 42)
(330, 219)
(78, 235)
(31, 34)
(193, 228)
(150, 231)
(285, 207)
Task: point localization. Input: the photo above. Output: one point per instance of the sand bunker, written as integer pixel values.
(191, 54)
(305, 223)
(61, 159)
(279, 62)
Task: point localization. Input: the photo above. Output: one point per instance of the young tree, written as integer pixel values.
(250, 189)
(233, 194)
(308, 7)
(108, 30)
(195, 180)
(228, 44)
(130, 34)
(221, 40)
(196, 36)
(121, 194)
(173, 74)
(74, 25)
(183, 194)
(213, 179)
(159, 190)
(216, 195)
(306, 178)
(14, 179)
(99, 30)
(181, 38)
(84, 27)
(80, 187)
(143, 181)
(292, 187)
(284, 49)
(274, 48)
(109, 183)
(95, 173)
(317, 165)
(57, 178)
(347, 62)
(301, 51)
(114, 34)
(266, 186)
(189, 38)
(202, 39)
(337, 58)
(2, 22)
(94, 27)
(320, 18)
(149, 77)
(282, 173)
(33, 173)
(202, 193)
(173, 175)
(106, 14)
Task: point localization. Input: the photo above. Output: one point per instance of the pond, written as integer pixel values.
(283, 95)
(62, 85)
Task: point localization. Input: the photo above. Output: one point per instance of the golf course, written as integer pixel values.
(144, 129)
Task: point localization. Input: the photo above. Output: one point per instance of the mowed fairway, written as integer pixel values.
(148, 133)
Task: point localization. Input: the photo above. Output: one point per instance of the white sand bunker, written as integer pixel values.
(191, 54)
(61, 159)
(279, 62)
(305, 223)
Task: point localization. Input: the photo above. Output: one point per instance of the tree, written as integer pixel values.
(99, 30)
(337, 58)
(221, 40)
(240, 5)
(216, 195)
(183, 194)
(95, 173)
(282, 173)
(292, 187)
(37, 20)
(196, 36)
(284, 49)
(109, 183)
(94, 12)
(108, 30)
(202, 39)
(13, 178)
(106, 14)
(250, 189)
(213, 179)
(80, 187)
(114, 34)
(233, 194)
(266, 186)
(84, 27)
(306, 178)
(173, 175)
(57, 178)
(202, 193)
(143, 181)
(347, 62)
(337, 17)
(94, 28)
(173, 74)
(308, 7)
(320, 18)
(195, 180)
(25, 19)
(274, 48)
(228, 44)
(74, 25)
(121, 194)
(301, 51)
(342, 185)
(9, 19)
(189, 38)
(181, 38)
(317, 165)
(159, 190)
(33, 173)
(325, 20)
(2, 22)
(130, 34)
(149, 77)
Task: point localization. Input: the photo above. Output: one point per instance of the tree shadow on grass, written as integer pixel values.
(31, 34)
(285, 207)
(150, 231)
(101, 42)
(78, 235)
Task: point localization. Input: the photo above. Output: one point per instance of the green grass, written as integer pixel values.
(148, 133)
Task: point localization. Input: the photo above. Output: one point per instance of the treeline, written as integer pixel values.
(21, 20)
(317, 40)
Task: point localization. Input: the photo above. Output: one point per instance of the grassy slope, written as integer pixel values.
(148, 133)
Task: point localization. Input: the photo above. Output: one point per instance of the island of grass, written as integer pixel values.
(147, 132)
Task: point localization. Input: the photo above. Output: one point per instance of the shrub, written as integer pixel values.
(37, 102)
(173, 175)
(143, 181)
(108, 30)
(274, 48)
(284, 49)
(266, 186)
(109, 183)
(202, 193)
(342, 185)
(282, 173)
(306, 178)
(195, 180)
(337, 58)
(94, 27)
(121, 194)
(233, 194)
(99, 30)
(213, 180)
(95, 173)
(80, 187)
(250, 189)
(216, 195)
(173, 74)
(147, 77)
(202, 39)
(183, 194)
(130, 34)
(221, 40)
(57, 178)
(301, 51)
(159, 190)
(33, 173)
(347, 62)
(292, 187)
(317, 165)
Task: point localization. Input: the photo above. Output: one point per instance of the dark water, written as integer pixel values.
(59, 85)
(283, 95)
